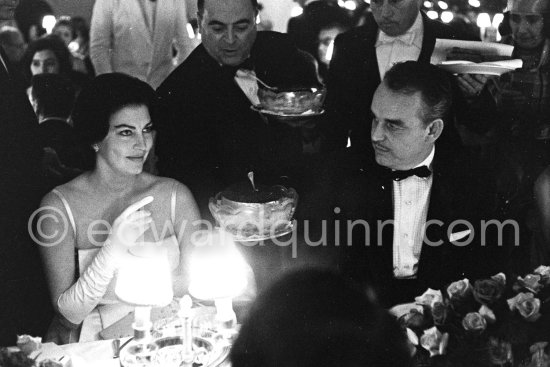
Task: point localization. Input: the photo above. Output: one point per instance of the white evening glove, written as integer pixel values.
(84, 295)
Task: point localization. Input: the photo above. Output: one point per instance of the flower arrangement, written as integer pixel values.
(492, 322)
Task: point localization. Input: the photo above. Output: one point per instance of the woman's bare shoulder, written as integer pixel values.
(75, 187)
(168, 185)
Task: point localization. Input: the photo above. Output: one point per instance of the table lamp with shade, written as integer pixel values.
(143, 281)
(218, 272)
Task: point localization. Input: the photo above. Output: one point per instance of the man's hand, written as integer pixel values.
(472, 84)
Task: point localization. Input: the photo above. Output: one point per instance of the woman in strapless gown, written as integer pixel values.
(86, 226)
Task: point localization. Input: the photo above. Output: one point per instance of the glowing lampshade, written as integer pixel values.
(217, 269)
(144, 278)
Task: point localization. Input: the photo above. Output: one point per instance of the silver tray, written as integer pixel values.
(208, 353)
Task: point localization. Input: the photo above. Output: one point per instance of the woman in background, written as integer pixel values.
(114, 116)
(50, 55)
(75, 34)
(522, 129)
(47, 55)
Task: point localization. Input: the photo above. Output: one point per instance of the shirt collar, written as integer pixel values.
(410, 37)
(428, 161)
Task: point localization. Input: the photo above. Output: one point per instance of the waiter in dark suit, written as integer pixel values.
(24, 305)
(394, 31)
(208, 135)
(421, 201)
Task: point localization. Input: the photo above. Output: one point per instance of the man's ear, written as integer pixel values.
(435, 128)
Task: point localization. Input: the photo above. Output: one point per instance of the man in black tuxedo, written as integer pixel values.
(208, 135)
(24, 304)
(304, 29)
(422, 203)
(394, 31)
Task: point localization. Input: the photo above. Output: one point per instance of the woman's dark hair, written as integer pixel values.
(314, 317)
(105, 95)
(53, 43)
(81, 28)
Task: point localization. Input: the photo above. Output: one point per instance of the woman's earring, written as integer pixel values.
(95, 147)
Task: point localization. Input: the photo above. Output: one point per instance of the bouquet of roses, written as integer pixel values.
(492, 322)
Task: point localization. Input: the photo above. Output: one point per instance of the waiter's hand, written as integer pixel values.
(472, 84)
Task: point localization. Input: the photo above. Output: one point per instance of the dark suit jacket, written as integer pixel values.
(304, 29)
(359, 189)
(24, 304)
(354, 76)
(208, 136)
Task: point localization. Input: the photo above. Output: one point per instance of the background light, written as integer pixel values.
(483, 20)
(443, 5)
(432, 14)
(446, 16)
(474, 3)
(190, 31)
(48, 22)
(497, 19)
(350, 5)
(296, 11)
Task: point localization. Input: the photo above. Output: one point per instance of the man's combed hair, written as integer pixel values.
(200, 5)
(432, 82)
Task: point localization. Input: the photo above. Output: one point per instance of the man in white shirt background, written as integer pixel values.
(137, 37)
(394, 31)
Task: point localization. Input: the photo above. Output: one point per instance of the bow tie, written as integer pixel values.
(232, 70)
(406, 38)
(421, 171)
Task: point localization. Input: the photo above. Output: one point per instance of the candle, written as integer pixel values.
(185, 315)
(142, 317)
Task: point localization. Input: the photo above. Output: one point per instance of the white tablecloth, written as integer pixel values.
(90, 354)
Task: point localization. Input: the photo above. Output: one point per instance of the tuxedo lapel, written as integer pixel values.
(436, 246)
(428, 40)
(368, 52)
(145, 19)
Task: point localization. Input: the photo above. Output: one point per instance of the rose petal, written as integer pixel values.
(488, 314)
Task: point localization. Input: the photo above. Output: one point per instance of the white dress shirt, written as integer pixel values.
(411, 199)
(391, 50)
(246, 80)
